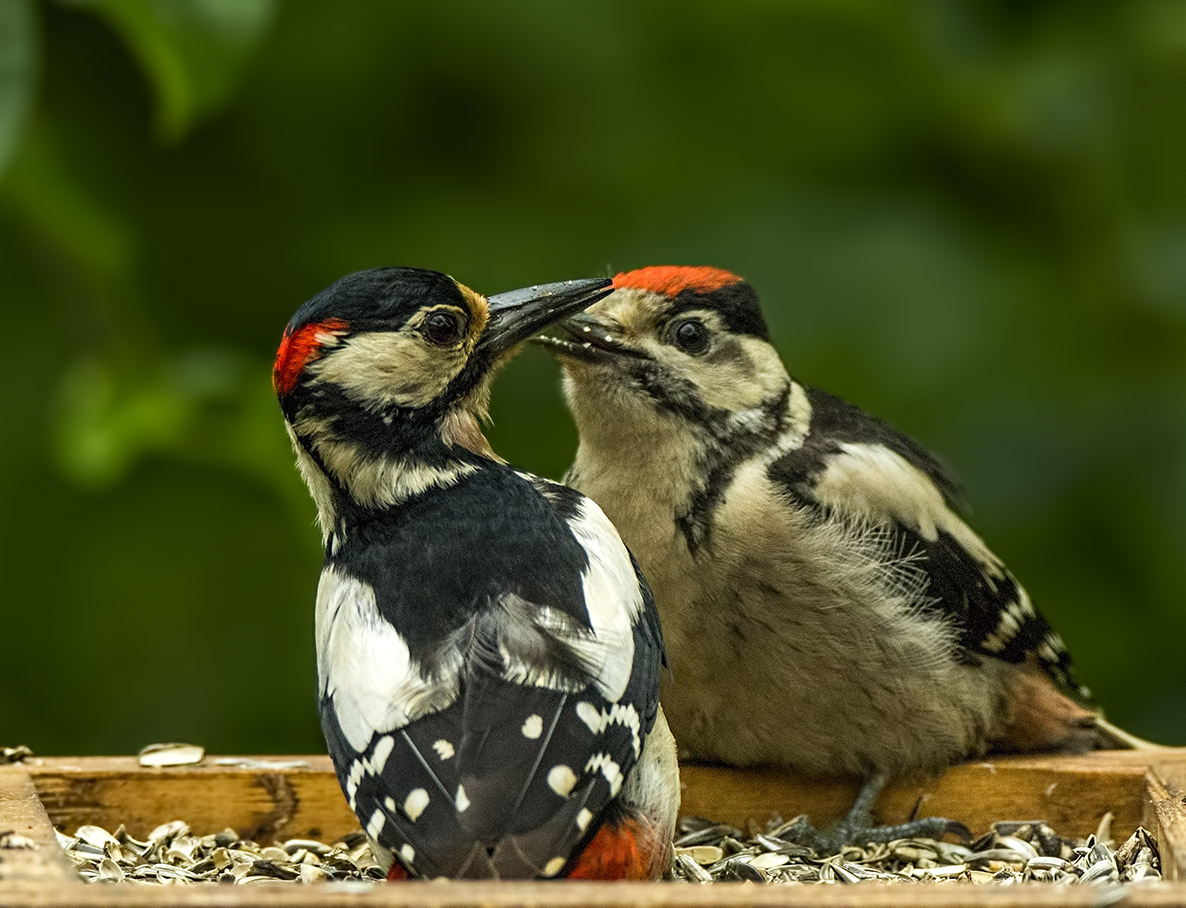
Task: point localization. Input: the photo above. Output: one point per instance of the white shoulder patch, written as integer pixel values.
(364, 664)
(869, 482)
(613, 597)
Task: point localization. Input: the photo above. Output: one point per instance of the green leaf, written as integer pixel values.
(194, 52)
(18, 72)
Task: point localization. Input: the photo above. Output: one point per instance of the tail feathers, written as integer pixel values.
(1040, 718)
(1113, 737)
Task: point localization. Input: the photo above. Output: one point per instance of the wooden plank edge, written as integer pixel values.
(595, 895)
(1165, 815)
(22, 814)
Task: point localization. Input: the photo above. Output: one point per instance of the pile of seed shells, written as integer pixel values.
(1012, 852)
(171, 854)
(706, 852)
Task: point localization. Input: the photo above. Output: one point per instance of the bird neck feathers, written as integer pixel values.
(351, 479)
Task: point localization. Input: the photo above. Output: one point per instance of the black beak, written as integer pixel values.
(517, 315)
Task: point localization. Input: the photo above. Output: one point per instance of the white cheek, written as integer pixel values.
(751, 374)
(380, 369)
(605, 402)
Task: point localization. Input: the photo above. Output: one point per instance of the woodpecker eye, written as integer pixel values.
(442, 328)
(690, 335)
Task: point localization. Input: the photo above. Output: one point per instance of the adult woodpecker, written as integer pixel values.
(488, 655)
(825, 607)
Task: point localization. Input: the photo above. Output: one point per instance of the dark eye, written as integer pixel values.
(442, 328)
(690, 335)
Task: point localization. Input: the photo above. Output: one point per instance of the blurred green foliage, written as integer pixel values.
(968, 217)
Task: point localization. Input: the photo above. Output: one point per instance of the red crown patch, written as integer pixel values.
(672, 280)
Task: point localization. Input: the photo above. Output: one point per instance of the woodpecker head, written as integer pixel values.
(671, 346)
(384, 375)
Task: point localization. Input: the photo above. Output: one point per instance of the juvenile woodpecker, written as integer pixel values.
(825, 607)
(488, 655)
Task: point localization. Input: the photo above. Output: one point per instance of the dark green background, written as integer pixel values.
(968, 217)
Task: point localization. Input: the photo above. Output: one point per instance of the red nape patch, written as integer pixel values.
(397, 874)
(672, 280)
(624, 849)
(298, 349)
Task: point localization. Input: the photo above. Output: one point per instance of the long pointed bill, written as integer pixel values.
(517, 315)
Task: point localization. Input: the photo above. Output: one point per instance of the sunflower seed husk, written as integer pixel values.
(175, 754)
(706, 834)
(11, 839)
(692, 871)
(703, 854)
(843, 874)
(14, 754)
(1101, 870)
(769, 860)
(254, 763)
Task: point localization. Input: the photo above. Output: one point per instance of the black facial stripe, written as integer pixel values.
(736, 304)
(392, 430)
(670, 392)
(728, 450)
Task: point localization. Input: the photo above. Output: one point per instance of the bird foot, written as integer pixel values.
(847, 834)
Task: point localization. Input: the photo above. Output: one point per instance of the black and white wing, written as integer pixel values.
(489, 669)
(855, 467)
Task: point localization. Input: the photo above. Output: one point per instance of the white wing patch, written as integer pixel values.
(364, 665)
(871, 482)
(612, 595)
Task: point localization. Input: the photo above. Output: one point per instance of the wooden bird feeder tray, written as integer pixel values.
(1070, 793)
